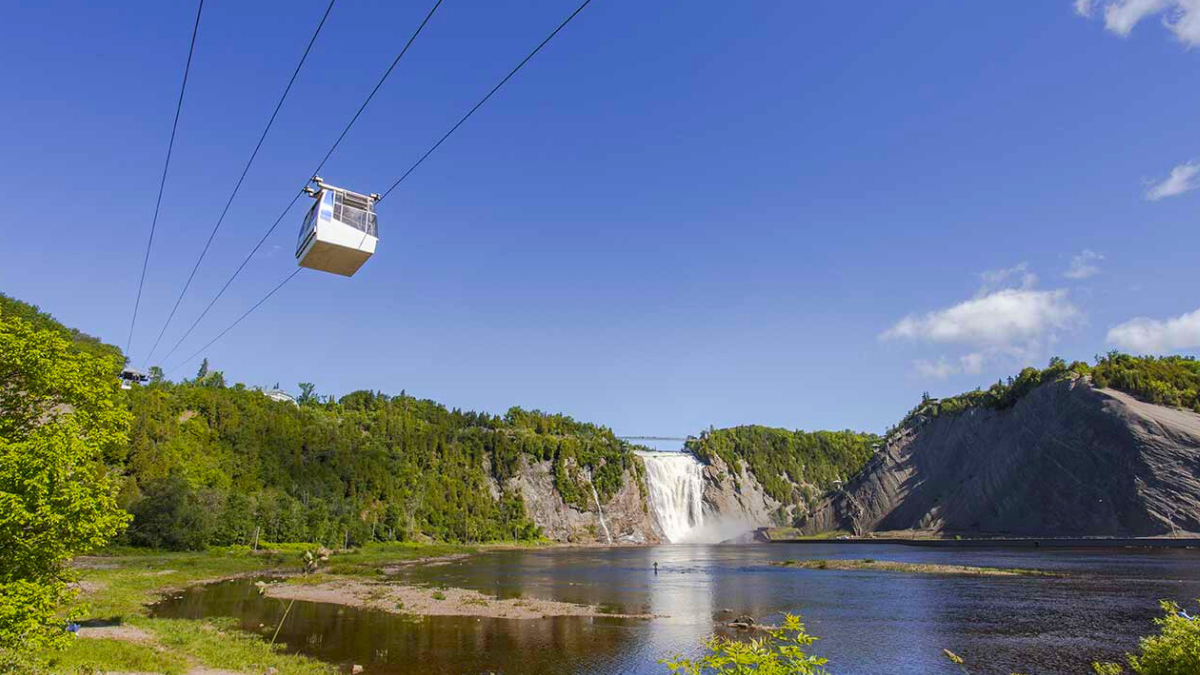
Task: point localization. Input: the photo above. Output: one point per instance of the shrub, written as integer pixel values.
(1174, 651)
(782, 652)
(59, 418)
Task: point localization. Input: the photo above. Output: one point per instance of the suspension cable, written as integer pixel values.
(163, 180)
(241, 178)
(239, 320)
(393, 187)
(292, 203)
(485, 98)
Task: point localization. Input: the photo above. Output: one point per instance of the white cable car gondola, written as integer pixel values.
(130, 377)
(340, 230)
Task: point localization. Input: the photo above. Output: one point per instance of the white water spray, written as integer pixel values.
(676, 484)
(600, 512)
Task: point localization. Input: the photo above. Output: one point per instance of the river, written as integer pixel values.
(869, 623)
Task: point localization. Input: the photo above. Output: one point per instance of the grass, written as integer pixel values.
(177, 646)
(218, 644)
(372, 558)
(124, 581)
(793, 534)
(89, 656)
(122, 585)
(119, 585)
(911, 568)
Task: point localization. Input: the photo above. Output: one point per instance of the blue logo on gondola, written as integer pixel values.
(326, 215)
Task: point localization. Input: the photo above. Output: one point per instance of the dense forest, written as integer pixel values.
(36, 319)
(219, 465)
(1162, 380)
(212, 464)
(792, 466)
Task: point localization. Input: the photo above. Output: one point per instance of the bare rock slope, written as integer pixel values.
(736, 498)
(1067, 460)
(626, 516)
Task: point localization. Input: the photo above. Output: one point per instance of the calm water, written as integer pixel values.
(869, 623)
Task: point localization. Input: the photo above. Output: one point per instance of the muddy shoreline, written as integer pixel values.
(399, 598)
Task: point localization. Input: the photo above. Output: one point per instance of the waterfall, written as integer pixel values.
(676, 484)
(603, 526)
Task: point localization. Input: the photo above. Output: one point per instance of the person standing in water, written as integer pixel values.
(656, 568)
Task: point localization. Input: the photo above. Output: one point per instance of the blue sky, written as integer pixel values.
(800, 214)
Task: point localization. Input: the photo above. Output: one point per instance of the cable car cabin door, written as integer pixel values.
(329, 243)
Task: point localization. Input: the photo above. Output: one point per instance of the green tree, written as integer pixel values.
(215, 379)
(1174, 651)
(782, 652)
(171, 515)
(156, 375)
(203, 372)
(308, 394)
(59, 417)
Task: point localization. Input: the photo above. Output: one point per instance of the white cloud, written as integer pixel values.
(970, 364)
(996, 320)
(1084, 265)
(1183, 178)
(1181, 17)
(1017, 322)
(1149, 336)
(934, 370)
(993, 279)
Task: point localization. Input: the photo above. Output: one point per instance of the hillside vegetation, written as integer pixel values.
(1162, 380)
(1167, 380)
(37, 320)
(792, 466)
(213, 465)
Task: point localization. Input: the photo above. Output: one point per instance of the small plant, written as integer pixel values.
(310, 562)
(438, 595)
(960, 661)
(782, 652)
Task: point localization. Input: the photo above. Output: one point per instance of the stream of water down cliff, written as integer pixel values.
(675, 481)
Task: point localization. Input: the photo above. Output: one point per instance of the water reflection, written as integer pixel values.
(871, 623)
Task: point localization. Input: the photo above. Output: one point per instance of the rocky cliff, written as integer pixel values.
(1068, 459)
(627, 516)
(739, 499)
(730, 504)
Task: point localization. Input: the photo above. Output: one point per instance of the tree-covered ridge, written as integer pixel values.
(1163, 380)
(787, 462)
(210, 465)
(38, 320)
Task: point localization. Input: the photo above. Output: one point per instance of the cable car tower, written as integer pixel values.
(340, 231)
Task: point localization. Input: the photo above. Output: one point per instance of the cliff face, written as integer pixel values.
(1066, 460)
(731, 505)
(627, 515)
(737, 498)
